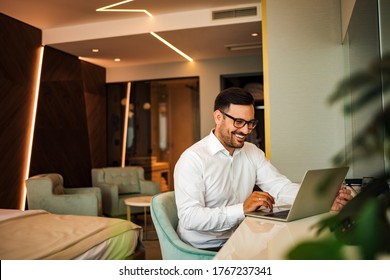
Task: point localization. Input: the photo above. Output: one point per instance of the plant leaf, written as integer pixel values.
(326, 249)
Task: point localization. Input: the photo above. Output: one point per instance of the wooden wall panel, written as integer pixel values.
(19, 44)
(70, 133)
(95, 100)
(70, 126)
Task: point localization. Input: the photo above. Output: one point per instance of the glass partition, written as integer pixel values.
(362, 47)
(150, 123)
(384, 33)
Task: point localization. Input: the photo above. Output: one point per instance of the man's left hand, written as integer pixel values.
(342, 199)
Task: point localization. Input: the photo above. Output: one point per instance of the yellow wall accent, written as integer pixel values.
(266, 83)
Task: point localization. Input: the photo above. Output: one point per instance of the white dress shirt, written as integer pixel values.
(211, 187)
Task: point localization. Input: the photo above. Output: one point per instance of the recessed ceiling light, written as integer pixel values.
(95, 50)
(117, 59)
(255, 34)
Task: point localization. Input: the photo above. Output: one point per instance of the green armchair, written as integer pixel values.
(47, 192)
(164, 215)
(119, 183)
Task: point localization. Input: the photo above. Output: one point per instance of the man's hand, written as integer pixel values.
(342, 199)
(258, 199)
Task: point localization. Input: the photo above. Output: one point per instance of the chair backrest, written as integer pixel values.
(164, 215)
(43, 186)
(47, 192)
(127, 178)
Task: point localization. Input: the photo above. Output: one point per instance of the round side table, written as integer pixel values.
(138, 201)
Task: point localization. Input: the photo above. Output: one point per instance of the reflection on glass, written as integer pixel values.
(162, 119)
(127, 105)
(130, 127)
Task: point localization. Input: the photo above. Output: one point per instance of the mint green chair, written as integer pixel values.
(118, 183)
(47, 192)
(164, 215)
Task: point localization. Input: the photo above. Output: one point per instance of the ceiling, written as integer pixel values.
(75, 27)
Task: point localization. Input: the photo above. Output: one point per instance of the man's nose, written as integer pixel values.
(245, 129)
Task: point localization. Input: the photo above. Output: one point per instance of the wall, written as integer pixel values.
(304, 63)
(70, 129)
(208, 71)
(19, 54)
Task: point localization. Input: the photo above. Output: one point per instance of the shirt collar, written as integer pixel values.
(216, 146)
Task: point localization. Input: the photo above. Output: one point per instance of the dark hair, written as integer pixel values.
(233, 95)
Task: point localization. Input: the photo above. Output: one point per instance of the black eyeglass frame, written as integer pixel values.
(251, 124)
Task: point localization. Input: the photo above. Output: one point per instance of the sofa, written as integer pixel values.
(118, 183)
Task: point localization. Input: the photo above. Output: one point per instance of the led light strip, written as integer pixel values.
(172, 47)
(108, 9)
(33, 117)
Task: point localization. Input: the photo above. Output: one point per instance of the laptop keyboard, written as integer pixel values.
(280, 214)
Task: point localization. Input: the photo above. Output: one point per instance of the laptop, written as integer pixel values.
(318, 190)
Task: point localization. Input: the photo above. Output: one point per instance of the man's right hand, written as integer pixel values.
(257, 200)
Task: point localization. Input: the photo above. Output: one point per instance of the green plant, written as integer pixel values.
(364, 221)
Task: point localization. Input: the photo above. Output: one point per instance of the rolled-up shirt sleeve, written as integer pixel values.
(269, 179)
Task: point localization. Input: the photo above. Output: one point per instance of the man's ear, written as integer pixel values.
(217, 116)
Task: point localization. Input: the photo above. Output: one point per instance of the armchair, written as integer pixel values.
(164, 215)
(119, 183)
(47, 192)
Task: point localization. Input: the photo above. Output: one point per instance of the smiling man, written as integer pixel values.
(215, 177)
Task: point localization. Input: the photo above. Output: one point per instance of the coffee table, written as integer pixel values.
(138, 201)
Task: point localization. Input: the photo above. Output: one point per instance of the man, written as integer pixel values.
(214, 178)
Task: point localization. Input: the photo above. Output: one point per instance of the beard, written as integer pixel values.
(233, 139)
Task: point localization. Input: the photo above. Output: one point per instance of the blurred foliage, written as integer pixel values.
(364, 221)
(367, 86)
(324, 249)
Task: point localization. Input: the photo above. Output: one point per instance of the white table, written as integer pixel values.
(138, 201)
(259, 239)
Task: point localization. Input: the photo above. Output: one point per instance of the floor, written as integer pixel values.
(150, 241)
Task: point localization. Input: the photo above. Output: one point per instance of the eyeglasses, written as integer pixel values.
(240, 123)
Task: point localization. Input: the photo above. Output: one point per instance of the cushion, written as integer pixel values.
(57, 182)
(128, 182)
(58, 189)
